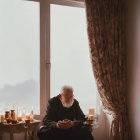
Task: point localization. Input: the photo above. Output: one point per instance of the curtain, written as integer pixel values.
(106, 33)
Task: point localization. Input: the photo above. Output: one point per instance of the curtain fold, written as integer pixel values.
(106, 33)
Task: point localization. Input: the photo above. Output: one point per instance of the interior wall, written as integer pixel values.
(133, 42)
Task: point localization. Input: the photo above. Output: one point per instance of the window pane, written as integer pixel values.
(19, 54)
(70, 56)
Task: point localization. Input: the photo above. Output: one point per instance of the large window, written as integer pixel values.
(31, 32)
(70, 57)
(19, 54)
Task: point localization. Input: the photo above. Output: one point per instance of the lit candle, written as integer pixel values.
(31, 118)
(19, 117)
(91, 117)
(91, 111)
(27, 116)
(1, 117)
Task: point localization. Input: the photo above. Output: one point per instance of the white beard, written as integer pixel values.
(68, 105)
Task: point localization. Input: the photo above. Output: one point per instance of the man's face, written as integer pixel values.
(67, 96)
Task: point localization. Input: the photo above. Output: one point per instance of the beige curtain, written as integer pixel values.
(106, 33)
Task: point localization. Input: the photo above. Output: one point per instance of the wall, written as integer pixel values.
(133, 42)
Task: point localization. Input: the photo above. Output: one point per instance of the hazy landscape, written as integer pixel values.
(24, 94)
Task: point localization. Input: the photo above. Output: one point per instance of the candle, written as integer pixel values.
(13, 114)
(28, 116)
(91, 117)
(1, 117)
(32, 111)
(19, 117)
(32, 115)
(91, 111)
(31, 118)
(24, 113)
(7, 114)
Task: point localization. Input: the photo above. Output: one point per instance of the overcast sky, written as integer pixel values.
(19, 52)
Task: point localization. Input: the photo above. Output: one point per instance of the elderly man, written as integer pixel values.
(64, 119)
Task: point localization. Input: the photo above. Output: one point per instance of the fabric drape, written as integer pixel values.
(106, 33)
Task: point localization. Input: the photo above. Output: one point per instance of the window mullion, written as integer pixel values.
(44, 55)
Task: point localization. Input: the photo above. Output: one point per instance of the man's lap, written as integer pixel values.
(74, 133)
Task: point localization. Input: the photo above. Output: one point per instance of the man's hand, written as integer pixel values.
(65, 124)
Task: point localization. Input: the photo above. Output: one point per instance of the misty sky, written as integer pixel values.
(19, 53)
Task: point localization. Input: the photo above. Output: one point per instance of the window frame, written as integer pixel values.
(45, 64)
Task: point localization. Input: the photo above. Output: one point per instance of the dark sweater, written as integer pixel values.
(56, 112)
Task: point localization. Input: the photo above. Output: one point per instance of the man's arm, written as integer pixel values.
(48, 120)
(80, 117)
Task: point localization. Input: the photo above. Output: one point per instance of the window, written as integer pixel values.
(20, 54)
(27, 30)
(70, 57)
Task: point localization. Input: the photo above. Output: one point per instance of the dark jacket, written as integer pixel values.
(56, 112)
